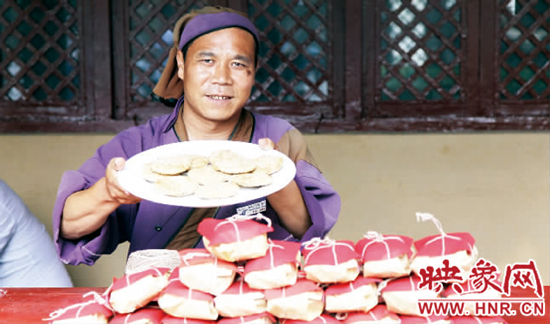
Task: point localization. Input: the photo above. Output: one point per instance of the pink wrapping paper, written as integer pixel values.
(344, 288)
(384, 247)
(323, 319)
(176, 288)
(467, 287)
(153, 315)
(476, 319)
(240, 287)
(410, 319)
(89, 307)
(246, 319)
(278, 253)
(409, 283)
(129, 279)
(439, 245)
(178, 320)
(328, 252)
(444, 243)
(232, 229)
(377, 313)
(197, 256)
(302, 285)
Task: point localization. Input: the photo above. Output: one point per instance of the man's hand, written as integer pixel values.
(114, 190)
(87, 210)
(267, 144)
(288, 202)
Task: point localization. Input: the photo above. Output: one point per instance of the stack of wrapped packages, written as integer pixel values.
(242, 277)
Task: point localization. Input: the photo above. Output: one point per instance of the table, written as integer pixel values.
(31, 305)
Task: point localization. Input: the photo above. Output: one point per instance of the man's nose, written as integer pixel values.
(222, 74)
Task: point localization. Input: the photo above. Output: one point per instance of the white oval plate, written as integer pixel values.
(131, 178)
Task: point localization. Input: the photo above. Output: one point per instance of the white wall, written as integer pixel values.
(494, 185)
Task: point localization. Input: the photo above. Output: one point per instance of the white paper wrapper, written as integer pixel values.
(138, 294)
(281, 276)
(178, 306)
(305, 306)
(389, 268)
(406, 302)
(232, 305)
(384, 320)
(207, 277)
(343, 272)
(470, 306)
(244, 250)
(362, 299)
(253, 319)
(90, 319)
(461, 259)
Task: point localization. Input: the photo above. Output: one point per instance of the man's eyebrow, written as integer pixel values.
(238, 57)
(242, 58)
(206, 54)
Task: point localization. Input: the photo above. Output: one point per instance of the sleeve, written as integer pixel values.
(322, 201)
(8, 198)
(118, 226)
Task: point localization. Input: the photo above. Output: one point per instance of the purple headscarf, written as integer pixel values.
(206, 23)
(189, 27)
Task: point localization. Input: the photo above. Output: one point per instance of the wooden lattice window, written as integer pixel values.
(420, 49)
(422, 59)
(40, 54)
(294, 51)
(325, 65)
(150, 25)
(524, 51)
(294, 61)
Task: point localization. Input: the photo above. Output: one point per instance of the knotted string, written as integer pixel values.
(341, 316)
(429, 217)
(317, 242)
(238, 217)
(383, 285)
(96, 299)
(185, 258)
(423, 217)
(272, 245)
(374, 235)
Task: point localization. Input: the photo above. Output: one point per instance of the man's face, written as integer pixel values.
(218, 74)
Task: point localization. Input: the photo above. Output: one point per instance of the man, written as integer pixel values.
(213, 63)
(27, 253)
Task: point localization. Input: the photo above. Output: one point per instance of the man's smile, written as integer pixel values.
(219, 97)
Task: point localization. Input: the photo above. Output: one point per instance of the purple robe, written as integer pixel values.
(149, 225)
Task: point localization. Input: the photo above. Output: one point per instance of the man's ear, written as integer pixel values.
(181, 64)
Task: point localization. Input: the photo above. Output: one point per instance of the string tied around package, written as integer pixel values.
(270, 246)
(374, 235)
(341, 316)
(191, 255)
(318, 242)
(424, 217)
(383, 285)
(429, 217)
(239, 217)
(97, 299)
(141, 260)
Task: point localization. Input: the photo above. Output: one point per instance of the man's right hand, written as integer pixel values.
(114, 190)
(87, 210)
